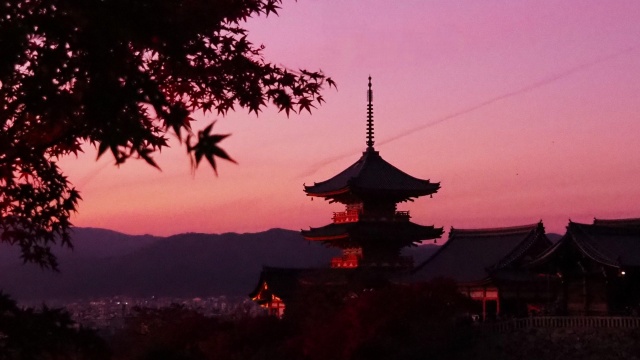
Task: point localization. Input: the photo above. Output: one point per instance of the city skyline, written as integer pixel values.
(522, 111)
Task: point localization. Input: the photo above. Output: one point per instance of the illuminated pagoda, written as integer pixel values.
(371, 231)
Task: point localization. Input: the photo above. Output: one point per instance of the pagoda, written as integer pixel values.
(371, 231)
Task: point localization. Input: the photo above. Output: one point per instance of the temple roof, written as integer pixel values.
(281, 282)
(632, 222)
(613, 243)
(473, 255)
(286, 282)
(372, 174)
(404, 232)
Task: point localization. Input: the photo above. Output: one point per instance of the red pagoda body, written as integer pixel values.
(371, 231)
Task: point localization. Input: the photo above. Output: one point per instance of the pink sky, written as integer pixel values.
(522, 110)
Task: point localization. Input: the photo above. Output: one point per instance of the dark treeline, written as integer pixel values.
(389, 323)
(426, 322)
(30, 334)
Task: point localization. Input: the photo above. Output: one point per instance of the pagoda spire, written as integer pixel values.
(370, 141)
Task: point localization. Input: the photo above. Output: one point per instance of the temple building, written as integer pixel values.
(371, 231)
(596, 267)
(489, 265)
(275, 287)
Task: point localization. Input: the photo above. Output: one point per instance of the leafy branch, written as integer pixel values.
(68, 76)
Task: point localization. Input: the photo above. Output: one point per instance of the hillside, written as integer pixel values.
(107, 263)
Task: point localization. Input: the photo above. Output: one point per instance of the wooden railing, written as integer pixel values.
(398, 262)
(625, 322)
(355, 215)
(354, 261)
(345, 216)
(348, 261)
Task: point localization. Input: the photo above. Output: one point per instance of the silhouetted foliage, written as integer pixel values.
(179, 333)
(322, 297)
(121, 75)
(44, 334)
(173, 332)
(395, 322)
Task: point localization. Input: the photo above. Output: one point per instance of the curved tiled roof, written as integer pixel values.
(404, 232)
(371, 173)
(472, 255)
(614, 243)
(284, 282)
(632, 222)
(279, 281)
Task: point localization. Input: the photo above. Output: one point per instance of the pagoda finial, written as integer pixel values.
(370, 141)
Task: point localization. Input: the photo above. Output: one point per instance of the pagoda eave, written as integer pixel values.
(328, 194)
(347, 194)
(324, 238)
(401, 232)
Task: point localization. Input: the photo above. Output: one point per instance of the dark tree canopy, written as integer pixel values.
(122, 75)
(45, 333)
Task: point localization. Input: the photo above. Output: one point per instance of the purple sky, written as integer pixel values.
(522, 110)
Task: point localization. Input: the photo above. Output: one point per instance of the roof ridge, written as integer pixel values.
(547, 252)
(522, 247)
(496, 230)
(630, 227)
(441, 248)
(605, 222)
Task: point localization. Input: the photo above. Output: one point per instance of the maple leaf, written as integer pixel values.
(305, 103)
(207, 147)
(271, 7)
(145, 154)
(25, 175)
(331, 83)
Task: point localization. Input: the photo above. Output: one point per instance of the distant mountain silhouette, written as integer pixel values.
(554, 237)
(107, 263)
(87, 243)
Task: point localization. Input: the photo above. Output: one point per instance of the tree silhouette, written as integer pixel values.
(121, 75)
(175, 332)
(392, 322)
(45, 334)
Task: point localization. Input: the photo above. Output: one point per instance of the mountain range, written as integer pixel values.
(108, 263)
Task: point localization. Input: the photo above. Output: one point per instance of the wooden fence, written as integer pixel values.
(621, 322)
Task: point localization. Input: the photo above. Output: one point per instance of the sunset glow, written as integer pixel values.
(523, 111)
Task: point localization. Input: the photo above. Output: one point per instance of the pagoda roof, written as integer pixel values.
(371, 173)
(614, 243)
(281, 282)
(402, 231)
(473, 255)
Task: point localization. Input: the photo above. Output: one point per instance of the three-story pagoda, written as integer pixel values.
(371, 231)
